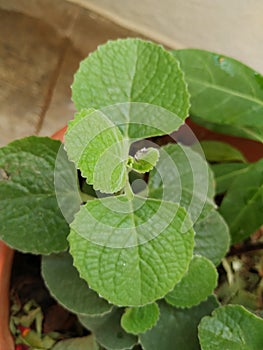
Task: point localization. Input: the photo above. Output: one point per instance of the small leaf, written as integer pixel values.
(72, 292)
(177, 328)
(216, 151)
(145, 159)
(212, 243)
(138, 320)
(183, 176)
(84, 343)
(224, 92)
(131, 252)
(231, 327)
(127, 71)
(242, 206)
(98, 149)
(226, 173)
(196, 285)
(108, 331)
(30, 218)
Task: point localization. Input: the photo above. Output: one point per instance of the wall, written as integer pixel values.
(233, 27)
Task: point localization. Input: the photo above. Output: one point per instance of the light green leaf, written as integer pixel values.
(226, 173)
(133, 70)
(30, 219)
(177, 328)
(196, 285)
(72, 292)
(138, 320)
(108, 331)
(145, 159)
(216, 151)
(224, 92)
(84, 343)
(98, 149)
(183, 176)
(131, 252)
(242, 206)
(212, 237)
(231, 327)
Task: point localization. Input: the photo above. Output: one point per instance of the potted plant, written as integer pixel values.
(133, 225)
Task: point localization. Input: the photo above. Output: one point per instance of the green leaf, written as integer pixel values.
(138, 320)
(183, 176)
(242, 206)
(177, 328)
(131, 252)
(216, 151)
(108, 331)
(212, 237)
(30, 219)
(196, 285)
(226, 173)
(224, 92)
(72, 292)
(98, 149)
(145, 159)
(132, 70)
(84, 343)
(231, 327)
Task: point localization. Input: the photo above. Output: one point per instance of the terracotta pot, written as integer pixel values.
(252, 150)
(6, 260)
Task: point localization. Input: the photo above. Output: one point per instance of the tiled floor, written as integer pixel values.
(41, 44)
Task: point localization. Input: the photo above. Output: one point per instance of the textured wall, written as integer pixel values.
(233, 27)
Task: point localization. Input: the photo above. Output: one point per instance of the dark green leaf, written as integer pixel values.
(30, 218)
(177, 328)
(242, 207)
(71, 291)
(216, 151)
(224, 92)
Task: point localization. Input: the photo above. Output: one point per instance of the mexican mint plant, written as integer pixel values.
(128, 226)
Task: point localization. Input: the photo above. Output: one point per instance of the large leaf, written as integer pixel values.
(242, 206)
(224, 92)
(216, 151)
(84, 343)
(122, 72)
(231, 327)
(196, 285)
(226, 173)
(177, 328)
(30, 219)
(137, 320)
(98, 149)
(108, 331)
(183, 176)
(212, 237)
(131, 252)
(72, 292)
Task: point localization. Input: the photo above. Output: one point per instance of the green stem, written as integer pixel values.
(128, 190)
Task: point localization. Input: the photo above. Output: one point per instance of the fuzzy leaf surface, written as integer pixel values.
(183, 176)
(128, 77)
(177, 328)
(97, 148)
(138, 320)
(242, 206)
(212, 243)
(231, 327)
(224, 92)
(72, 292)
(132, 252)
(30, 218)
(196, 285)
